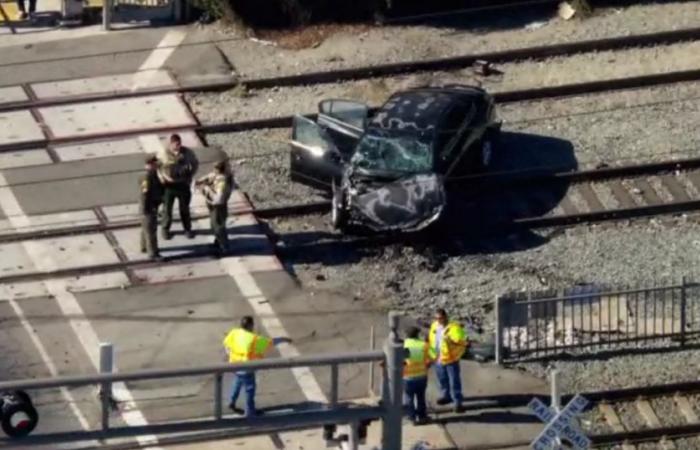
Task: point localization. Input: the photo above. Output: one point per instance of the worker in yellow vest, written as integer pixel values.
(242, 344)
(448, 342)
(415, 375)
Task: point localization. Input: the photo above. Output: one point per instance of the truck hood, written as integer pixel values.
(410, 203)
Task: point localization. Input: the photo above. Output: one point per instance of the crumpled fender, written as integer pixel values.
(407, 204)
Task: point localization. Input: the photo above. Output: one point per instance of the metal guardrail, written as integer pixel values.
(594, 318)
(389, 410)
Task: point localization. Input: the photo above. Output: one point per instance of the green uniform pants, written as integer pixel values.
(149, 233)
(217, 217)
(182, 193)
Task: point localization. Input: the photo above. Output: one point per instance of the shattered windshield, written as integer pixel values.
(386, 151)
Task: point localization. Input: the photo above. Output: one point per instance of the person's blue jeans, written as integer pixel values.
(414, 397)
(245, 381)
(448, 376)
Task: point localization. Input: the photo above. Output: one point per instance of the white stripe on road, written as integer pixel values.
(69, 306)
(158, 57)
(44, 355)
(272, 324)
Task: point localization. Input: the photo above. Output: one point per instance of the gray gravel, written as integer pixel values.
(615, 128)
(238, 105)
(406, 43)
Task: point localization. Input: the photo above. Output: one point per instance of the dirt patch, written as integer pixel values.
(310, 36)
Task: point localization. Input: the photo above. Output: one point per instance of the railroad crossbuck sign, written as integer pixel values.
(559, 426)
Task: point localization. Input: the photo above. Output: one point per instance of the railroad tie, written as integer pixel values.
(675, 188)
(613, 420)
(622, 195)
(694, 177)
(647, 192)
(687, 410)
(652, 420)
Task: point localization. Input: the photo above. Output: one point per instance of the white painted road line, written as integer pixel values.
(44, 355)
(166, 47)
(70, 307)
(272, 324)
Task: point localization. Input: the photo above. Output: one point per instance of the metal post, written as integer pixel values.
(556, 395)
(107, 8)
(177, 14)
(684, 301)
(499, 331)
(334, 385)
(371, 365)
(218, 388)
(392, 396)
(354, 436)
(106, 366)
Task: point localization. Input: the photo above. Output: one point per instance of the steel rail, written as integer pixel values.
(263, 213)
(521, 95)
(390, 69)
(498, 179)
(286, 121)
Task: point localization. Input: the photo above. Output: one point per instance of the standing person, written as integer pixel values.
(22, 15)
(216, 187)
(415, 375)
(448, 342)
(242, 344)
(150, 198)
(178, 166)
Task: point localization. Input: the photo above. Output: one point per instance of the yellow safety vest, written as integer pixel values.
(243, 345)
(417, 360)
(453, 343)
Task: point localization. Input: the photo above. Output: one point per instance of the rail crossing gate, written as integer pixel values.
(560, 425)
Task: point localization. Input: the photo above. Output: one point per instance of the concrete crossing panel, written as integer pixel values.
(52, 221)
(148, 143)
(12, 94)
(117, 116)
(19, 126)
(82, 87)
(56, 254)
(24, 158)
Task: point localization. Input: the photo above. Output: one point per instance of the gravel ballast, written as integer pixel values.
(254, 59)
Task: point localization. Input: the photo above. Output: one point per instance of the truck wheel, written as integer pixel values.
(339, 213)
(19, 418)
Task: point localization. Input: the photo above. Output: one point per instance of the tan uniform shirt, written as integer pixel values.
(177, 169)
(216, 187)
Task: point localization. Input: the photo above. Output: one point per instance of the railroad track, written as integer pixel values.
(657, 414)
(392, 69)
(624, 418)
(286, 121)
(511, 200)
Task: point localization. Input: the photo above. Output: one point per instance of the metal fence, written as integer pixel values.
(389, 410)
(594, 318)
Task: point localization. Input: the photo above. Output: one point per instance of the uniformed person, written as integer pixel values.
(415, 376)
(178, 165)
(216, 188)
(150, 198)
